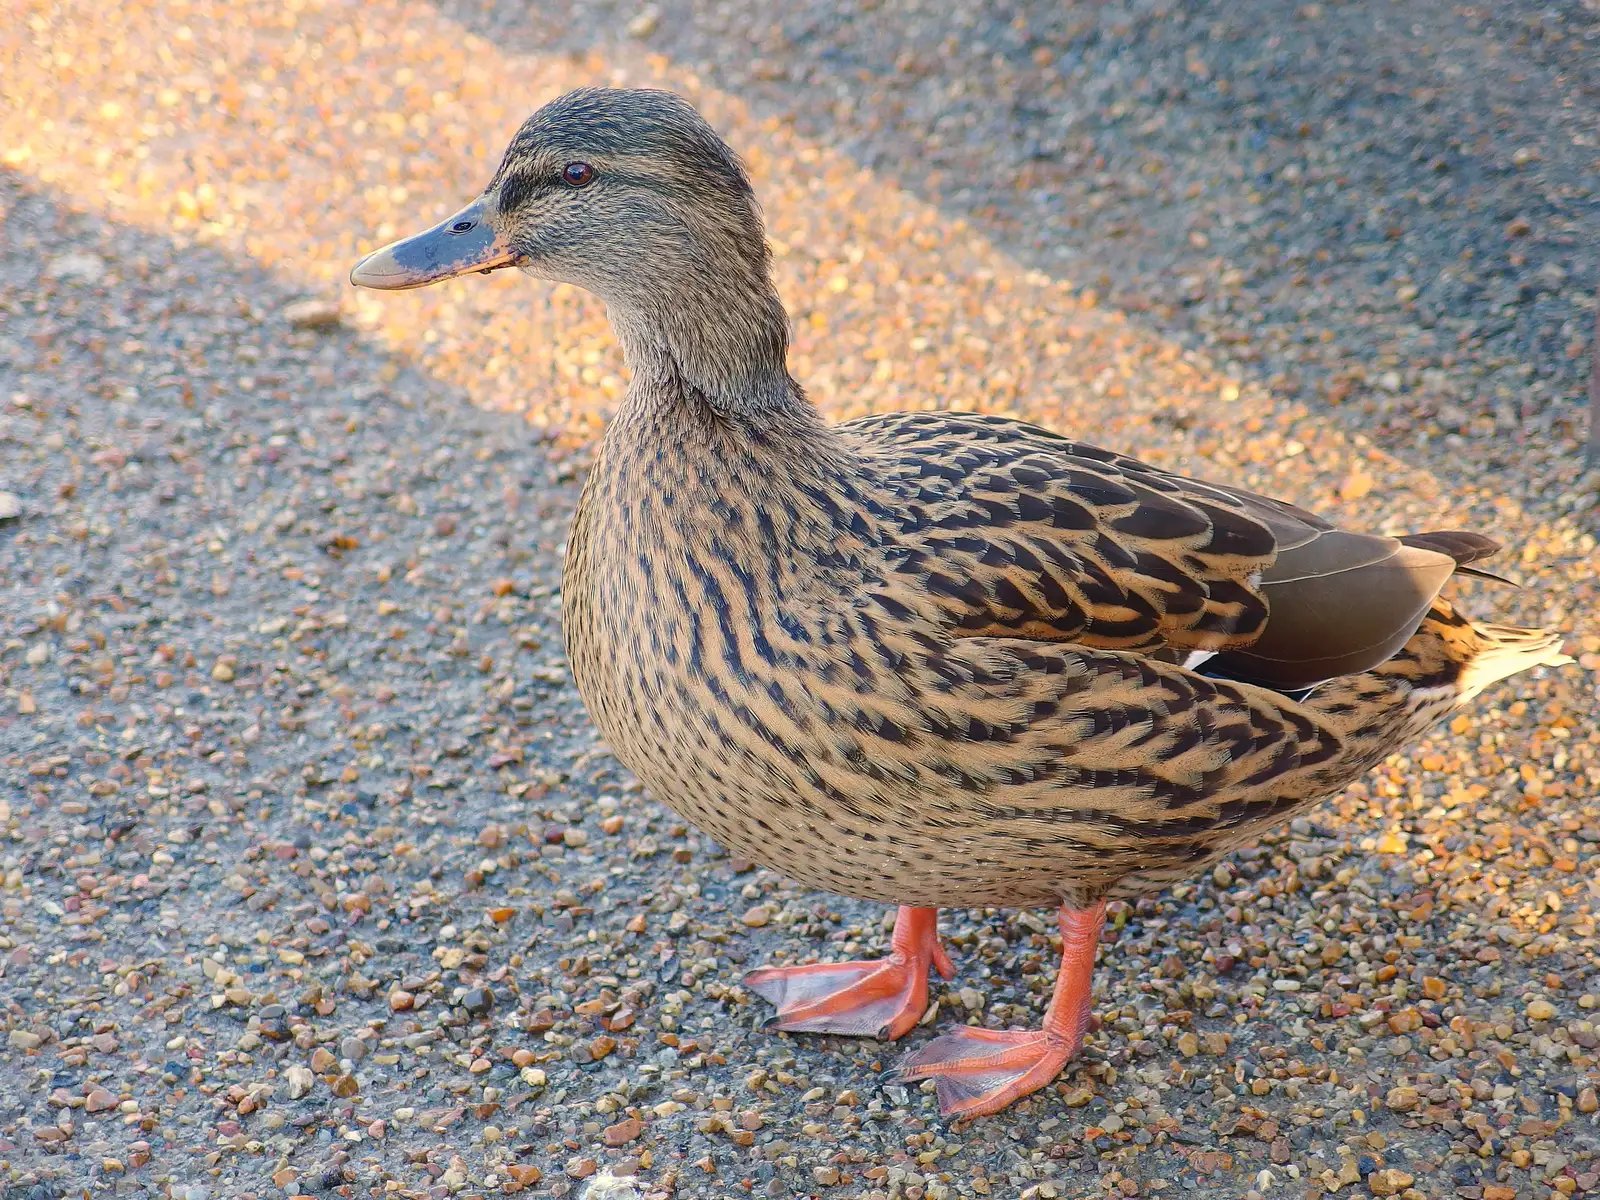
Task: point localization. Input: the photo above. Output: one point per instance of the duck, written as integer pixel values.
(930, 659)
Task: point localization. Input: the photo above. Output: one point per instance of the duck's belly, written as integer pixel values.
(843, 823)
(765, 799)
(879, 844)
(825, 841)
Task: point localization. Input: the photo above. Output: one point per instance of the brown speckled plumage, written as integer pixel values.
(930, 659)
(849, 654)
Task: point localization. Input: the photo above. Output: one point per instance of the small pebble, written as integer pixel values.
(311, 314)
(623, 1132)
(78, 267)
(99, 1100)
(644, 23)
(300, 1081)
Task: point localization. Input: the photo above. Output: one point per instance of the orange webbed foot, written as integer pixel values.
(881, 998)
(980, 1071)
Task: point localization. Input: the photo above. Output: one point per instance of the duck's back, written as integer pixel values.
(1026, 533)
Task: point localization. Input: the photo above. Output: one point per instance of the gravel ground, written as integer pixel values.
(316, 879)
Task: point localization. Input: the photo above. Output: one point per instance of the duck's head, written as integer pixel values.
(630, 195)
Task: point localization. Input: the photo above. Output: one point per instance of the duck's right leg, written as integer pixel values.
(880, 998)
(979, 1071)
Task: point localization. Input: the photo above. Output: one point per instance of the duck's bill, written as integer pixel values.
(456, 246)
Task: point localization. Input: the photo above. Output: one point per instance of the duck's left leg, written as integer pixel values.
(882, 998)
(980, 1071)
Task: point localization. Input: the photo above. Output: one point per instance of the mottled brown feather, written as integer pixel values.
(1085, 545)
(877, 671)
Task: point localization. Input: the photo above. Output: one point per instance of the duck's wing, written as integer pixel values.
(1010, 530)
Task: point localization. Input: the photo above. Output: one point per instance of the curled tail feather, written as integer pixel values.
(1466, 548)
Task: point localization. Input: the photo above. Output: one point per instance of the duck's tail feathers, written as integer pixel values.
(1448, 661)
(1460, 544)
(1504, 650)
(1452, 657)
(1463, 546)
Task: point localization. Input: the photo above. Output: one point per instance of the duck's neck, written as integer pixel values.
(720, 342)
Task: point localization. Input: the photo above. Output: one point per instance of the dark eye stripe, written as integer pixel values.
(522, 183)
(519, 187)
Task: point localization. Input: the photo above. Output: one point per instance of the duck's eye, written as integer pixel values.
(462, 226)
(577, 173)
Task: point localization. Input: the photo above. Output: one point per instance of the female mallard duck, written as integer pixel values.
(930, 659)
